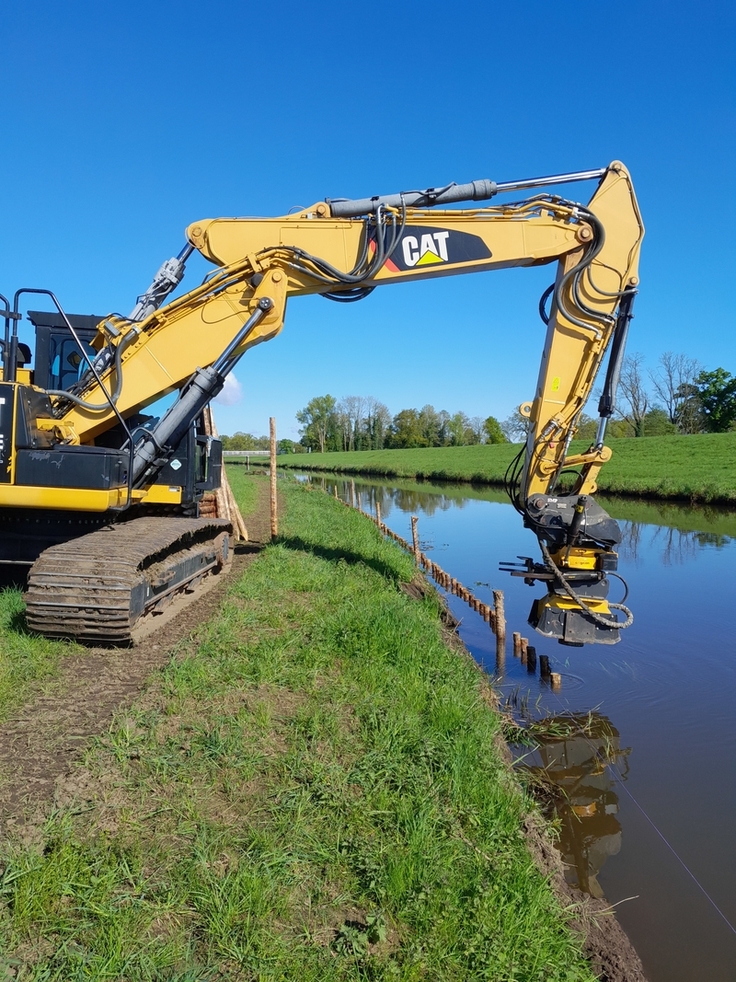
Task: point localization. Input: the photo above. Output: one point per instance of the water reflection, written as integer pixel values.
(412, 498)
(675, 546)
(573, 760)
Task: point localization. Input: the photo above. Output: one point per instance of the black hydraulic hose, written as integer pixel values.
(543, 303)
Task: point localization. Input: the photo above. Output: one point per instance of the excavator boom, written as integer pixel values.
(343, 250)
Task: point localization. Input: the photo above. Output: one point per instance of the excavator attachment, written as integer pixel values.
(558, 616)
(577, 538)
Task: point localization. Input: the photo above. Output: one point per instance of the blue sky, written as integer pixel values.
(124, 123)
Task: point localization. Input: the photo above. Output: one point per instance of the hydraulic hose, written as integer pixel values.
(597, 618)
(90, 407)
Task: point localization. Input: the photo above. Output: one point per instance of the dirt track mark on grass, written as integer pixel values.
(40, 742)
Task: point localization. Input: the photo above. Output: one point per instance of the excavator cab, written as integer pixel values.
(58, 357)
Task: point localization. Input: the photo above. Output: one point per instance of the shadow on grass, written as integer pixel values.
(334, 555)
(14, 578)
(17, 624)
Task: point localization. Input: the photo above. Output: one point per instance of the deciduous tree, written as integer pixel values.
(673, 383)
(717, 391)
(492, 431)
(376, 424)
(317, 419)
(516, 427)
(633, 398)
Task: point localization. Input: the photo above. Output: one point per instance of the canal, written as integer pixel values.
(645, 746)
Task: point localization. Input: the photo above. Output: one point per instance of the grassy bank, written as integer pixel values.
(694, 468)
(310, 791)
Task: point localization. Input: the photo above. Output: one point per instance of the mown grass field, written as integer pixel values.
(693, 468)
(311, 790)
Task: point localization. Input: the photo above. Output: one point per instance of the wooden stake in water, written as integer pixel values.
(415, 537)
(544, 669)
(500, 613)
(274, 500)
(517, 644)
(352, 493)
(378, 511)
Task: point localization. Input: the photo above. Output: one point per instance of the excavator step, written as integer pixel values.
(99, 586)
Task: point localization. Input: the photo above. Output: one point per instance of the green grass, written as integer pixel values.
(244, 489)
(25, 658)
(313, 791)
(694, 468)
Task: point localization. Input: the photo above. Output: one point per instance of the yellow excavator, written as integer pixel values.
(101, 500)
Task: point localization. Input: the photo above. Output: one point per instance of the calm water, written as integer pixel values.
(659, 762)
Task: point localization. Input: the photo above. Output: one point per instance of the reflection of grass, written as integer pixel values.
(698, 468)
(709, 521)
(313, 791)
(714, 522)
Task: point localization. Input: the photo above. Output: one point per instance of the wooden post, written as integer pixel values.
(352, 493)
(517, 644)
(378, 512)
(555, 680)
(531, 659)
(500, 613)
(334, 490)
(274, 500)
(523, 649)
(544, 669)
(415, 537)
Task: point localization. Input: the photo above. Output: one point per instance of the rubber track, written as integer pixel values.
(97, 587)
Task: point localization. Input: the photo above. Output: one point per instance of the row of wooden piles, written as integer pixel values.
(493, 615)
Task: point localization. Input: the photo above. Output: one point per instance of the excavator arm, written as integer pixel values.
(343, 250)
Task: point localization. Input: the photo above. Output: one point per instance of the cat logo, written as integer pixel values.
(426, 250)
(426, 246)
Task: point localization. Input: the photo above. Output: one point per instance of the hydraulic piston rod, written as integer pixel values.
(450, 194)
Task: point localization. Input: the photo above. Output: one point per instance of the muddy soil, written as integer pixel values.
(40, 745)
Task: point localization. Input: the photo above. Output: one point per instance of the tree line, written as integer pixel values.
(364, 423)
(679, 396)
